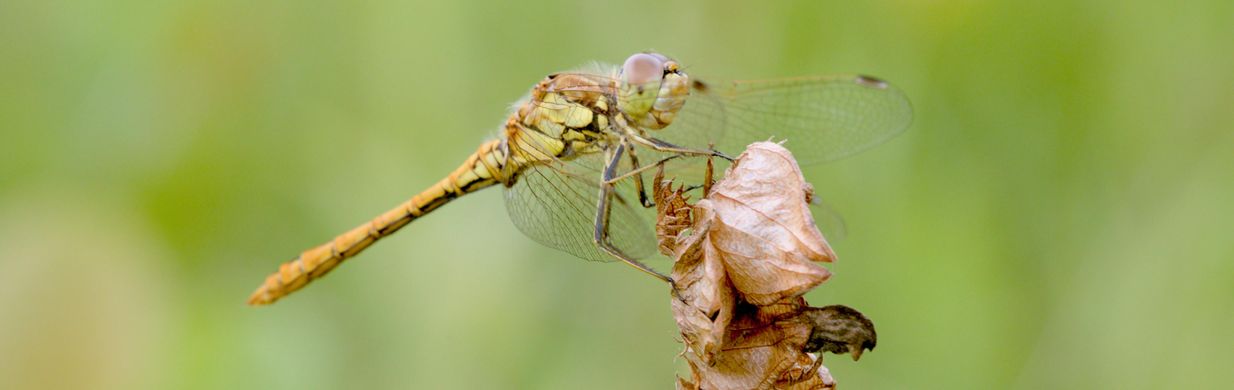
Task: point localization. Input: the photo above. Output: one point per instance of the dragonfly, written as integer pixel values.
(572, 154)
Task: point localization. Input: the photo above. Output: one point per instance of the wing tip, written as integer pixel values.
(871, 81)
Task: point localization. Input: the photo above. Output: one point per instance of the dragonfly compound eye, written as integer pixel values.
(642, 68)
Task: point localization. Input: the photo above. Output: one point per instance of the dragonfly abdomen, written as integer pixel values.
(484, 168)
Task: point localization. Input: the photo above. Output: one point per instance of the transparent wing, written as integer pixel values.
(555, 204)
(828, 220)
(822, 118)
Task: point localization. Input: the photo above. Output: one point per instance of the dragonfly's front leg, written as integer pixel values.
(664, 146)
(604, 209)
(638, 181)
(637, 172)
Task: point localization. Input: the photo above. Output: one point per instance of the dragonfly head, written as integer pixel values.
(652, 89)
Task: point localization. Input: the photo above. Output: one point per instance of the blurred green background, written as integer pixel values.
(1058, 216)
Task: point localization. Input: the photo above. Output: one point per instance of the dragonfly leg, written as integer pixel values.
(664, 146)
(638, 180)
(604, 208)
(637, 172)
(641, 169)
(708, 178)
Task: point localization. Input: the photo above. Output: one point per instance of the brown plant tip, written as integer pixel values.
(743, 256)
(672, 212)
(840, 329)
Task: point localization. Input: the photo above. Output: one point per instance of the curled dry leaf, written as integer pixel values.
(743, 255)
(762, 351)
(764, 227)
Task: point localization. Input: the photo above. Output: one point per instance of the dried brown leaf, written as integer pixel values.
(741, 266)
(759, 354)
(764, 227)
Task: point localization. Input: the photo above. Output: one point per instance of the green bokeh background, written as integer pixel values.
(1058, 216)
